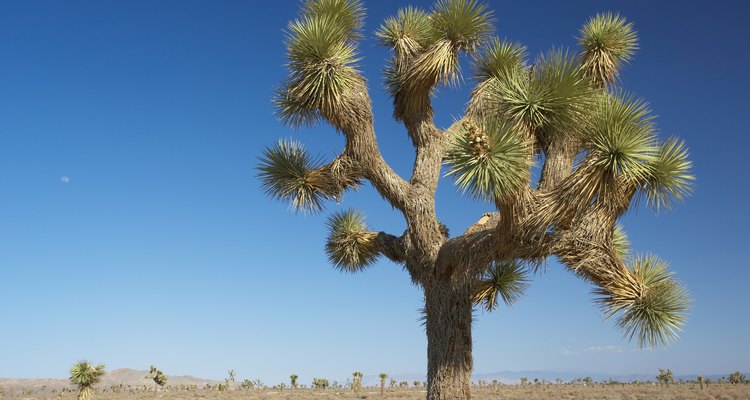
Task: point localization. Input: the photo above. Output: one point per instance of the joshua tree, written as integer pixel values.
(85, 376)
(320, 383)
(293, 379)
(700, 381)
(356, 381)
(736, 377)
(158, 377)
(561, 118)
(665, 376)
(230, 377)
(383, 376)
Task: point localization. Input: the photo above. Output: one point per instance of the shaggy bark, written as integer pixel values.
(448, 310)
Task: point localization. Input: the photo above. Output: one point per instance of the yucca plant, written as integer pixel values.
(230, 378)
(383, 376)
(293, 382)
(665, 376)
(85, 375)
(598, 146)
(356, 381)
(158, 377)
(737, 378)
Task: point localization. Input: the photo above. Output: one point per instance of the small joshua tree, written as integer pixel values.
(356, 381)
(85, 376)
(293, 381)
(320, 383)
(383, 376)
(230, 378)
(700, 381)
(665, 376)
(736, 377)
(158, 377)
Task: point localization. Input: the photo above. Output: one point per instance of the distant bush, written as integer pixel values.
(737, 377)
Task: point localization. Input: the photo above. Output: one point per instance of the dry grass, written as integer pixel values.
(504, 392)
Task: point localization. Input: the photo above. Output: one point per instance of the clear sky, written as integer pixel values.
(133, 230)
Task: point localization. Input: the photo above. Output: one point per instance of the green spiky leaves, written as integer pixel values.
(670, 178)
(620, 241)
(507, 281)
(648, 303)
(608, 42)
(322, 61)
(626, 156)
(498, 58)
(348, 15)
(623, 138)
(488, 159)
(84, 373)
(621, 142)
(157, 376)
(288, 173)
(552, 99)
(350, 247)
(463, 23)
(407, 32)
(455, 26)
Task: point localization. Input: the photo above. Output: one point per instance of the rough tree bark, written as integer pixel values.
(448, 312)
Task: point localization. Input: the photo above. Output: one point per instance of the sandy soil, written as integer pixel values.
(505, 392)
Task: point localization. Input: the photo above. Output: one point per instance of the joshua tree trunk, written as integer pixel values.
(448, 309)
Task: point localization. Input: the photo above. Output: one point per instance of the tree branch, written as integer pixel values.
(473, 248)
(355, 121)
(391, 247)
(558, 162)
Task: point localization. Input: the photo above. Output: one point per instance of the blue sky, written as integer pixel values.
(133, 230)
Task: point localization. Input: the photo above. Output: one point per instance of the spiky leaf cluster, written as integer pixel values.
(620, 241)
(498, 58)
(463, 23)
(507, 281)
(670, 179)
(287, 174)
(608, 41)
(621, 143)
(406, 32)
(648, 303)
(430, 56)
(85, 375)
(322, 58)
(157, 376)
(350, 247)
(488, 159)
(347, 14)
(551, 100)
(437, 64)
(622, 138)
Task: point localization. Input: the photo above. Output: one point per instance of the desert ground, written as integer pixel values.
(645, 391)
